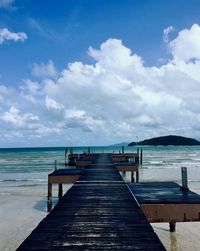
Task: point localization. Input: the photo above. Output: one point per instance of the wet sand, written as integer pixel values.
(186, 237)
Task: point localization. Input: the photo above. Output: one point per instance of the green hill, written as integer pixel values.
(168, 140)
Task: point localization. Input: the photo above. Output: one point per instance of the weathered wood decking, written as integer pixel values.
(97, 213)
(166, 202)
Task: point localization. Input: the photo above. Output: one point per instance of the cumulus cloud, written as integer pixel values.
(186, 46)
(19, 120)
(166, 32)
(114, 55)
(6, 35)
(44, 70)
(114, 99)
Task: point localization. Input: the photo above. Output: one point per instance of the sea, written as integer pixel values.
(25, 170)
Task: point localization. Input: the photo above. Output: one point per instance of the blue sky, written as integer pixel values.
(63, 30)
(41, 96)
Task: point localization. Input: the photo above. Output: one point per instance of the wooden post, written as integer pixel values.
(132, 177)
(184, 179)
(55, 165)
(137, 176)
(172, 226)
(137, 159)
(49, 197)
(141, 157)
(60, 191)
(66, 150)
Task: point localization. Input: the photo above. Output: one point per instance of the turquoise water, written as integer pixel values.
(26, 169)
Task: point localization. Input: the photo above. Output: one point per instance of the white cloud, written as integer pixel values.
(166, 32)
(114, 55)
(18, 120)
(52, 104)
(30, 86)
(186, 46)
(113, 100)
(5, 35)
(44, 70)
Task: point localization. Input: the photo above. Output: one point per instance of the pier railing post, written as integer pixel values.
(184, 186)
(55, 165)
(49, 197)
(141, 157)
(66, 150)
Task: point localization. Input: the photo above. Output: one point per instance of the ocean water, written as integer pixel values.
(25, 170)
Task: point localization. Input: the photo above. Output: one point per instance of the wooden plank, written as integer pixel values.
(64, 179)
(163, 193)
(171, 212)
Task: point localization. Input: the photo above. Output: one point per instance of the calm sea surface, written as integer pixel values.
(25, 170)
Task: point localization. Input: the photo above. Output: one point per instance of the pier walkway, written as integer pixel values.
(97, 213)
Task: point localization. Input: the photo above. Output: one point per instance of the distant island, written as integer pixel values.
(168, 140)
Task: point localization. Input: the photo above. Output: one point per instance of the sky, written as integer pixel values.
(98, 72)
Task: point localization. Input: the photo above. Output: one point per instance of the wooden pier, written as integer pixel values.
(99, 212)
(167, 202)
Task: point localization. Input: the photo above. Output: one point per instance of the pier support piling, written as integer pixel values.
(60, 191)
(49, 197)
(132, 177)
(137, 176)
(172, 226)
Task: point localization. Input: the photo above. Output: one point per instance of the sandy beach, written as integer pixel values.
(19, 215)
(186, 237)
